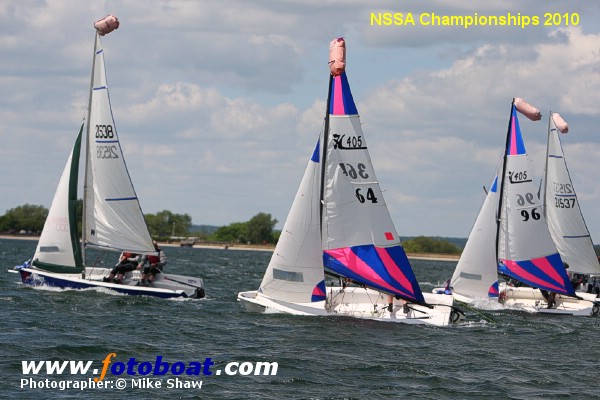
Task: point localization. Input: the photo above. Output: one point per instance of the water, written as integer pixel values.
(518, 356)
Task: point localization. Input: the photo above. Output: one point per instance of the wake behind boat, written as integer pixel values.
(112, 217)
(511, 238)
(339, 224)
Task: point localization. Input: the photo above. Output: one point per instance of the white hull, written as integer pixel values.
(358, 303)
(164, 285)
(531, 300)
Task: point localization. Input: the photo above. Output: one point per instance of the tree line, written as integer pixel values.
(165, 224)
(29, 219)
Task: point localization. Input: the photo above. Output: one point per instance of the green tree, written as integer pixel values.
(424, 244)
(236, 232)
(164, 224)
(260, 228)
(26, 217)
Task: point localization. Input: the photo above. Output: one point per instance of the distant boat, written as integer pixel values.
(112, 217)
(339, 224)
(510, 237)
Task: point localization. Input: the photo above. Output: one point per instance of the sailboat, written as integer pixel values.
(112, 216)
(565, 219)
(511, 238)
(339, 224)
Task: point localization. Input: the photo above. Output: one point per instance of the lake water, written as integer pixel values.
(514, 356)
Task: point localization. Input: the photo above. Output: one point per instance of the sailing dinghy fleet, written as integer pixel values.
(112, 216)
(532, 243)
(339, 252)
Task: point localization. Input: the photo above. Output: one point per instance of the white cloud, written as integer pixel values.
(219, 107)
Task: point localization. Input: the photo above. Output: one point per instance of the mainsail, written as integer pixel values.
(565, 220)
(526, 251)
(113, 217)
(359, 240)
(58, 248)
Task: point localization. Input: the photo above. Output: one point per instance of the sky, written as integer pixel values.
(219, 104)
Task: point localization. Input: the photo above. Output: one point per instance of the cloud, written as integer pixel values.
(219, 107)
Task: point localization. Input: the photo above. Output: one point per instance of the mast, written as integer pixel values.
(87, 152)
(501, 192)
(323, 160)
(546, 166)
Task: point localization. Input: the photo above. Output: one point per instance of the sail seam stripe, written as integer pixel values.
(121, 198)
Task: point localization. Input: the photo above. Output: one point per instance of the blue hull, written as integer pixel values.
(33, 279)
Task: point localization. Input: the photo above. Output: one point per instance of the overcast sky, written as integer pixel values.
(218, 104)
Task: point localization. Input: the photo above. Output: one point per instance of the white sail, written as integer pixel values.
(526, 251)
(359, 238)
(355, 210)
(523, 231)
(476, 274)
(296, 267)
(58, 244)
(114, 218)
(565, 220)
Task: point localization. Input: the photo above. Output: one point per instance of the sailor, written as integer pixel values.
(155, 264)
(127, 262)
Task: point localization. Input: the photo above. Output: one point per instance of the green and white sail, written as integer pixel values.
(58, 249)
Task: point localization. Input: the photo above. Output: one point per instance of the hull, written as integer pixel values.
(531, 300)
(359, 303)
(164, 286)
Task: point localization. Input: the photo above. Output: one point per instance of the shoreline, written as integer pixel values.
(216, 246)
